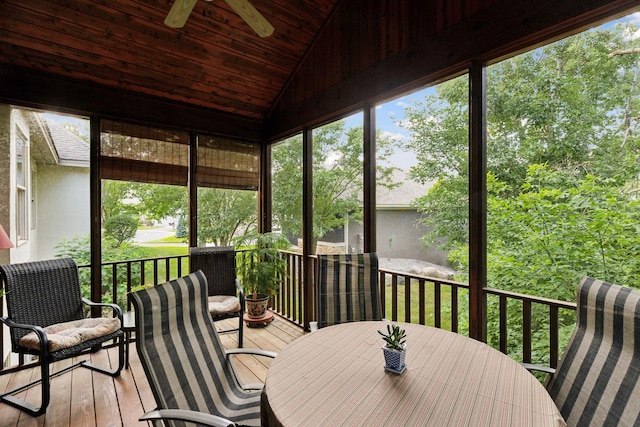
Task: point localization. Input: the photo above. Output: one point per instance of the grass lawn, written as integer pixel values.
(429, 299)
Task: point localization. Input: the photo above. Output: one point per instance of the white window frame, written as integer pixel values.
(22, 207)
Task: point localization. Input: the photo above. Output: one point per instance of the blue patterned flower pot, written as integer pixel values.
(394, 359)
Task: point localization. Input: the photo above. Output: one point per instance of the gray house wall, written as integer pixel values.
(398, 236)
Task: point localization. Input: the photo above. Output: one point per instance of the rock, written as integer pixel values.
(415, 269)
(435, 273)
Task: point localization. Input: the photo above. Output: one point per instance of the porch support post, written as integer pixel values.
(265, 191)
(192, 188)
(477, 201)
(308, 247)
(95, 200)
(369, 172)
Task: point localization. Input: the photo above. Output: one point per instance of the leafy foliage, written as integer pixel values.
(337, 178)
(223, 214)
(394, 338)
(262, 266)
(120, 228)
(562, 162)
(79, 249)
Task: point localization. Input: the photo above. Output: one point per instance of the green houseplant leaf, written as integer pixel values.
(261, 265)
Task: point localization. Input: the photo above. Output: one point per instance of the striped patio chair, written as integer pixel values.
(596, 382)
(348, 289)
(189, 371)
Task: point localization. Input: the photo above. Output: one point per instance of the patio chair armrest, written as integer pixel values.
(116, 308)
(539, 368)
(200, 418)
(240, 293)
(39, 331)
(252, 351)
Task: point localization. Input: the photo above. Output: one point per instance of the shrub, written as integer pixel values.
(120, 228)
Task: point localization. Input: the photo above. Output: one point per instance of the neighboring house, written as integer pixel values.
(46, 173)
(44, 177)
(398, 226)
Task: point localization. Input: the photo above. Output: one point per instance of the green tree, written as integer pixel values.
(120, 228)
(337, 178)
(562, 162)
(114, 194)
(157, 201)
(224, 214)
(562, 105)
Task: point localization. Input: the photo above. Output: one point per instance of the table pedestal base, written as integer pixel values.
(258, 321)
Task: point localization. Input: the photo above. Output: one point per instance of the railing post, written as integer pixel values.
(477, 202)
(308, 248)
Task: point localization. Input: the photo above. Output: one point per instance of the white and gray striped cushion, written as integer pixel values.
(182, 355)
(348, 289)
(596, 382)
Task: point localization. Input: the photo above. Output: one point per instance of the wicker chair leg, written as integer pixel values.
(45, 388)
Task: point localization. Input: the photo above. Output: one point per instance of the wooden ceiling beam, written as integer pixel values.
(31, 88)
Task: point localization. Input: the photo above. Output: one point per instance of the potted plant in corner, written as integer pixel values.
(261, 268)
(395, 349)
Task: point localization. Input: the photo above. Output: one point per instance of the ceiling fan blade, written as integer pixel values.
(179, 13)
(251, 16)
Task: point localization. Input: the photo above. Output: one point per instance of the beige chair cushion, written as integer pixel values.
(69, 334)
(223, 304)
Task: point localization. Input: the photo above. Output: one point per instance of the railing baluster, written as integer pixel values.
(421, 303)
(155, 270)
(383, 291)
(407, 299)
(128, 264)
(553, 336)
(437, 305)
(394, 297)
(526, 331)
(503, 323)
(454, 309)
(114, 284)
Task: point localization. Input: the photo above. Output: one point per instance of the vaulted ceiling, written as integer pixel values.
(216, 60)
(117, 58)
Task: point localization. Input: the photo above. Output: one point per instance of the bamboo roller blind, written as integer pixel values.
(160, 156)
(226, 163)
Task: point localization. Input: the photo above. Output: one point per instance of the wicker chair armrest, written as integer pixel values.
(116, 308)
(240, 293)
(38, 330)
(200, 418)
(252, 351)
(539, 368)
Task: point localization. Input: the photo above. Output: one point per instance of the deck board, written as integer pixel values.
(85, 398)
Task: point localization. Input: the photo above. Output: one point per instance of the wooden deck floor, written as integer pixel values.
(85, 398)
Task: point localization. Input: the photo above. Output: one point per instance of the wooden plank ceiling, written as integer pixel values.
(216, 61)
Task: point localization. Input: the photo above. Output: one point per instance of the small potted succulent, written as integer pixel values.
(395, 348)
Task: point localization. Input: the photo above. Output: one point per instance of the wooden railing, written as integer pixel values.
(443, 304)
(119, 277)
(406, 297)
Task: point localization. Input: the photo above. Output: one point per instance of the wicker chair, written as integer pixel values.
(348, 288)
(226, 298)
(189, 371)
(46, 318)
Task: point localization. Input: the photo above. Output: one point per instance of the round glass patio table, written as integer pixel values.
(336, 376)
